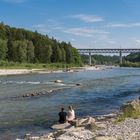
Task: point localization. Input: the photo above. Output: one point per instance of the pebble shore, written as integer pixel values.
(126, 130)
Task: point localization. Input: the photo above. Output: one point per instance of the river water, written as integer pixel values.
(101, 92)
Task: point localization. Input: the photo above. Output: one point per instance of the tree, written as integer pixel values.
(10, 49)
(20, 51)
(56, 53)
(68, 51)
(63, 54)
(3, 49)
(2, 31)
(76, 57)
(30, 52)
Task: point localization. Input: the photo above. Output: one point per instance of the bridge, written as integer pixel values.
(107, 50)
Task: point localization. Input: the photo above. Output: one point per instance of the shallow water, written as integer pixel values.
(101, 92)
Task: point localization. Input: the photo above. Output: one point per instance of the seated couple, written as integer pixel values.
(66, 117)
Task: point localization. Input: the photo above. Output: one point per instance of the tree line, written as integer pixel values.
(131, 60)
(101, 59)
(20, 45)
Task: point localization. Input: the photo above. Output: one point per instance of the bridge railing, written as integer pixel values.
(108, 50)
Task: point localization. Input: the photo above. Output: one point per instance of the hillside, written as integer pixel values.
(24, 46)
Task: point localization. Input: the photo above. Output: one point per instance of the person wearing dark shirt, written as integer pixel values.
(62, 116)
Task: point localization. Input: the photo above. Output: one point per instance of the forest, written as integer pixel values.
(18, 45)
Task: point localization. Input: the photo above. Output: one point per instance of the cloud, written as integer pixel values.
(85, 32)
(124, 25)
(87, 18)
(73, 39)
(138, 41)
(50, 26)
(41, 28)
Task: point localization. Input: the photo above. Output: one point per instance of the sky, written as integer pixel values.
(84, 23)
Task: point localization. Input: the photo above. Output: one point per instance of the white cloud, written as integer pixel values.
(124, 25)
(87, 18)
(39, 26)
(138, 41)
(48, 27)
(85, 32)
(73, 39)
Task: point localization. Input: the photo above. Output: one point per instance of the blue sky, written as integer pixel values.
(85, 23)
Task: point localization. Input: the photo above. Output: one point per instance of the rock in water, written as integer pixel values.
(58, 81)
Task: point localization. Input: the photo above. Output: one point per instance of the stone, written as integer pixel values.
(78, 84)
(101, 124)
(61, 126)
(58, 81)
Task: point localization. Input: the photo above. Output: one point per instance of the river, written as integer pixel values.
(101, 92)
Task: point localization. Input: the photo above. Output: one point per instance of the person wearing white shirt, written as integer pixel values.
(70, 114)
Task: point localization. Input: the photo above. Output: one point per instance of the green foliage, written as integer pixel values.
(131, 60)
(101, 60)
(20, 50)
(133, 57)
(130, 64)
(128, 112)
(30, 51)
(23, 46)
(48, 66)
(3, 49)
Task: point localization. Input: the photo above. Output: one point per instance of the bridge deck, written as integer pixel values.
(133, 50)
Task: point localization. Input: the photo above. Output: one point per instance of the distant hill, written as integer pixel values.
(20, 45)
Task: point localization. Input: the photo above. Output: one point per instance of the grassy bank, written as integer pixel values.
(130, 64)
(51, 66)
(130, 110)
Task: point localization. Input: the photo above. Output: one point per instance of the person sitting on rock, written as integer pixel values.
(71, 114)
(62, 116)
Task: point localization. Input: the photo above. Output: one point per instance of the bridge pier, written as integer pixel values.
(90, 58)
(120, 57)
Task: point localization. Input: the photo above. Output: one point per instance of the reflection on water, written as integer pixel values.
(101, 92)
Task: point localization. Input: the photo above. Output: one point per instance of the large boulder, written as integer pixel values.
(61, 126)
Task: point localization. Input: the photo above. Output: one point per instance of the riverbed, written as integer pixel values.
(100, 92)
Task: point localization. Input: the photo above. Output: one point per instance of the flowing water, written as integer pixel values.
(101, 92)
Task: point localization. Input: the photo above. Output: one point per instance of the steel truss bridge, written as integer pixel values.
(120, 51)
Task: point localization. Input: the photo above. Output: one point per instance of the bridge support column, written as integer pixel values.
(120, 57)
(90, 58)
